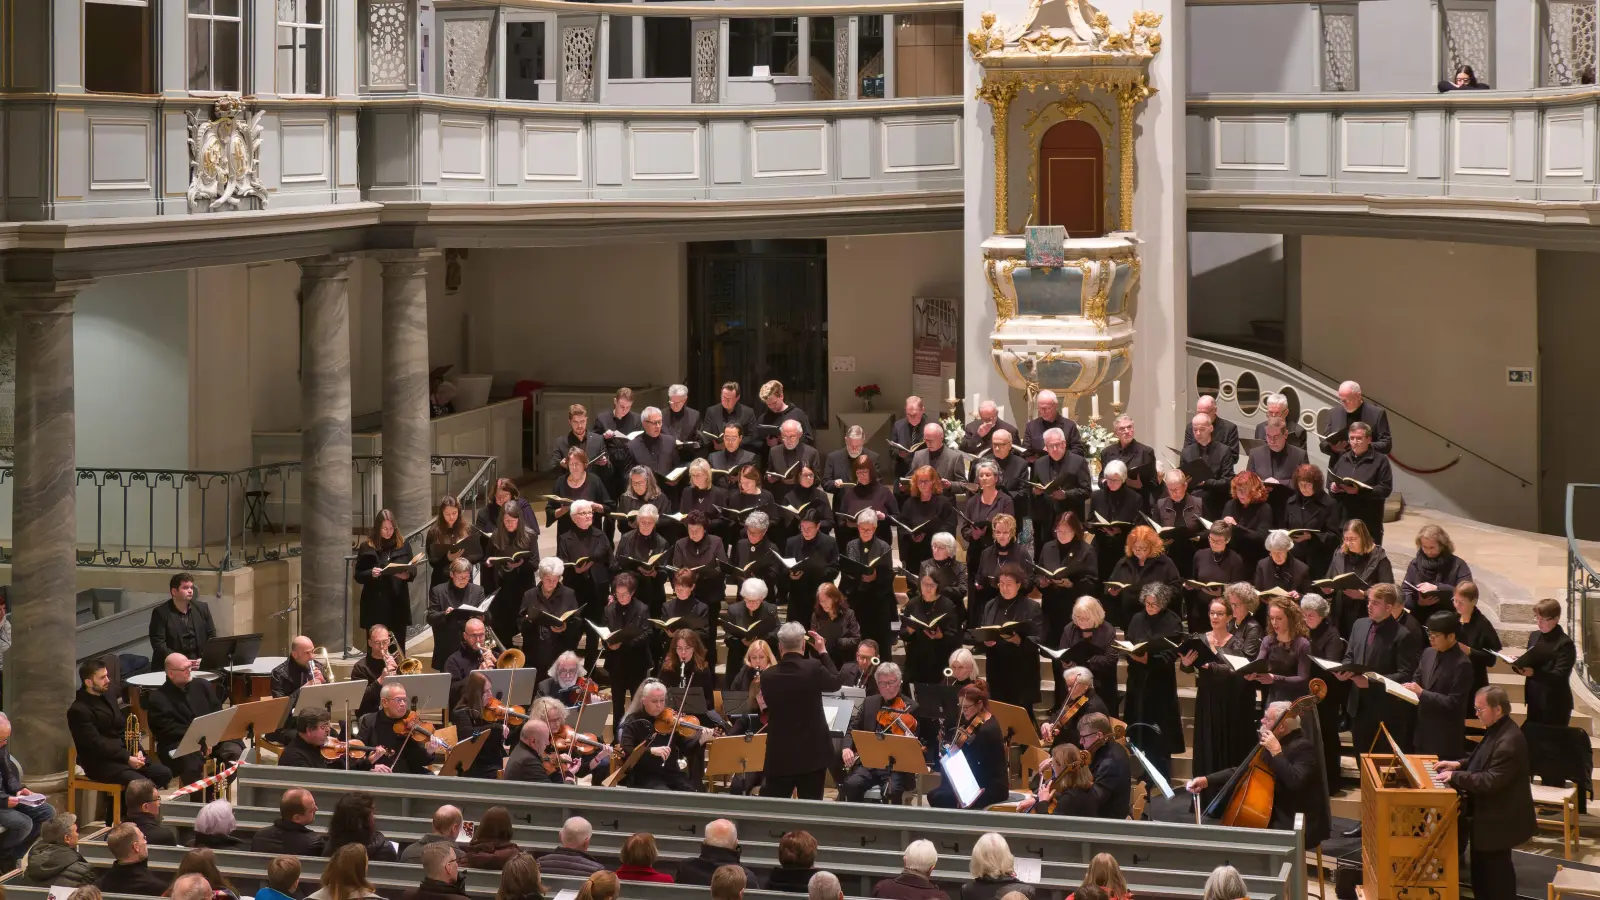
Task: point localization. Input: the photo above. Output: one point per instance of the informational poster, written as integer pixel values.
(935, 343)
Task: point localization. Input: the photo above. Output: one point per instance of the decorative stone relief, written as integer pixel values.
(466, 57)
(225, 157)
(705, 65)
(1570, 43)
(577, 63)
(841, 59)
(1466, 33)
(388, 45)
(1338, 51)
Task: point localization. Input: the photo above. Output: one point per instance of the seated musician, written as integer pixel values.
(1296, 766)
(528, 759)
(391, 728)
(98, 724)
(1113, 776)
(176, 704)
(657, 767)
(748, 783)
(376, 664)
(311, 730)
(468, 716)
(294, 673)
(469, 656)
(888, 711)
(1066, 788)
(566, 682)
(1080, 702)
(978, 739)
(550, 711)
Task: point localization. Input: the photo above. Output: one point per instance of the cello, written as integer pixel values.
(1246, 800)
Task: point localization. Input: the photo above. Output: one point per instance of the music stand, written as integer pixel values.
(738, 754)
(1016, 724)
(692, 705)
(838, 711)
(205, 733)
(739, 703)
(230, 651)
(255, 719)
(576, 714)
(511, 686)
(894, 752)
(941, 697)
(463, 753)
(431, 691)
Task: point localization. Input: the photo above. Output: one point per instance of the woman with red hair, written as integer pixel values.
(1251, 517)
(1145, 562)
(984, 749)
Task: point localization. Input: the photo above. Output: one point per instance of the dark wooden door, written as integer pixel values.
(1072, 179)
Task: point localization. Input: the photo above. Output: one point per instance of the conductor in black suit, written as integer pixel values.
(1296, 763)
(799, 749)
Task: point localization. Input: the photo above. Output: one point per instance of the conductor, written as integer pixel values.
(798, 747)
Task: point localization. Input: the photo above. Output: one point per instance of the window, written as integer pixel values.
(1339, 47)
(774, 43)
(620, 49)
(820, 58)
(524, 59)
(1468, 38)
(666, 47)
(927, 55)
(117, 57)
(869, 57)
(300, 30)
(1569, 46)
(216, 39)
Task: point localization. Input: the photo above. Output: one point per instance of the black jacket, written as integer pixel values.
(172, 632)
(97, 725)
(434, 890)
(1112, 779)
(1495, 779)
(1445, 703)
(1368, 412)
(1222, 432)
(790, 881)
(1301, 787)
(133, 878)
(171, 710)
(155, 833)
(286, 837)
(994, 888)
(699, 869)
(798, 740)
(907, 886)
(1548, 690)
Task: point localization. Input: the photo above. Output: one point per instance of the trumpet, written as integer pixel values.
(321, 668)
(396, 661)
(491, 646)
(132, 737)
(949, 673)
(867, 672)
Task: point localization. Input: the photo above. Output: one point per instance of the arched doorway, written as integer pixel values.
(1072, 179)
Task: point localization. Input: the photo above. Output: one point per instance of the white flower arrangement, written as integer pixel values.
(1096, 438)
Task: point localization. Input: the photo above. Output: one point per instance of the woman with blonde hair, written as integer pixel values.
(993, 870)
(602, 885)
(1089, 625)
(758, 657)
(345, 876)
(520, 879)
(1432, 575)
(1146, 562)
(963, 668)
(1360, 556)
(1004, 549)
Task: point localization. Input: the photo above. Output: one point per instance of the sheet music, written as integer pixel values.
(959, 774)
(1029, 870)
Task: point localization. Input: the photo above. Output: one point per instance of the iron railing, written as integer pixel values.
(202, 520)
(1583, 593)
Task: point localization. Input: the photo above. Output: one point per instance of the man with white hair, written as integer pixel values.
(586, 553)
(776, 411)
(889, 696)
(172, 707)
(1049, 417)
(1296, 763)
(403, 755)
(823, 886)
(799, 748)
(680, 420)
(572, 857)
(1209, 463)
(1352, 408)
(1060, 483)
(193, 886)
(914, 881)
(1277, 407)
(791, 452)
(750, 620)
(755, 556)
(656, 450)
(1222, 430)
(21, 820)
(978, 435)
(838, 469)
(1139, 458)
(1080, 701)
(948, 462)
(720, 848)
(907, 432)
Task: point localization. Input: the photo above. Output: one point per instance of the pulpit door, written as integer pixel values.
(1072, 179)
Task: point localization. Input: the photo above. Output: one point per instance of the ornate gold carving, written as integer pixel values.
(1056, 29)
(994, 270)
(1097, 291)
(1046, 116)
(999, 94)
(986, 38)
(1128, 96)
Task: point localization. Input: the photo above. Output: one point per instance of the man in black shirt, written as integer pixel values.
(144, 810)
(311, 730)
(180, 625)
(1354, 408)
(173, 707)
(579, 435)
(377, 663)
(1363, 463)
(1275, 463)
(789, 452)
(1069, 475)
(1139, 458)
(294, 673)
(1221, 429)
(1277, 407)
(1113, 784)
(1218, 457)
(470, 656)
(1049, 417)
(291, 834)
(888, 696)
(403, 754)
(978, 435)
(1443, 685)
(656, 450)
(778, 411)
(98, 724)
(1381, 644)
(838, 470)
(1296, 764)
(680, 421)
(950, 463)
(130, 874)
(729, 411)
(907, 432)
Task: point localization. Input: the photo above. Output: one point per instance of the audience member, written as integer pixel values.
(441, 876)
(130, 874)
(638, 860)
(202, 861)
(824, 886)
(520, 879)
(915, 882)
(87, 892)
(602, 885)
(213, 827)
(194, 886)
(1225, 884)
(345, 875)
(283, 879)
(728, 882)
(797, 858)
(993, 871)
(292, 833)
(1084, 892)
(143, 804)
(446, 828)
(720, 848)
(55, 860)
(355, 822)
(572, 857)
(1104, 873)
(491, 841)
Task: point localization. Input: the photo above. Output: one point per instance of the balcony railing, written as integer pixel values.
(1583, 579)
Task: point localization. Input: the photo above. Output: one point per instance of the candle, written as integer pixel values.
(1116, 391)
(952, 390)
(999, 411)
(1094, 406)
(974, 410)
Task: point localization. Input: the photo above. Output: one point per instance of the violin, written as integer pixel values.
(568, 740)
(413, 727)
(587, 689)
(670, 722)
(966, 731)
(336, 749)
(1068, 711)
(495, 711)
(895, 718)
(1249, 793)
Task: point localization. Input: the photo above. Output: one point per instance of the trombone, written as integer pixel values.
(396, 660)
(508, 657)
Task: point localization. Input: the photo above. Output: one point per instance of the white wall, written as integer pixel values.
(1429, 329)
(130, 345)
(1569, 318)
(1393, 47)
(1254, 48)
(1233, 279)
(274, 346)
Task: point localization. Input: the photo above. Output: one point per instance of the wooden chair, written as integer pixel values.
(78, 782)
(1563, 802)
(1573, 883)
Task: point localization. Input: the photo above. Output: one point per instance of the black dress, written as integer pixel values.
(1373, 568)
(1081, 568)
(540, 644)
(1327, 644)
(635, 548)
(1548, 691)
(631, 661)
(986, 574)
(975, 519)
(1102, 665)
(1479, 634)
(1210, 567)
(1121, 608)
(873, 601)
(592, 586)
(592, 489)
(1224, 708)
(1252, 522)
(985, 752)
(925, 656)
(855, 498)
(1013, 669)
(1444, 571)
(840, 632)
(1122, 505)
(702, 557)
(469, 543)
(510, 577)
(935, 515)
(816, 562)
(386, 598)
(1318, 513)
(1153, 690)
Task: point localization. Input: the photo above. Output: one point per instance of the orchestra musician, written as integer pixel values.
(562, 681)
(927, 648)
(757, 659)
(816, 556)
(554, 716)
(469, 719)
(753, 723)
(798, 747)
(1495, 780)
(1013, 671)
(962, 671)
(544, 637)
(1296, 764)
(1443, 685)
(183, 624)
(687, 666)
(375, 665)
(404, 754)
(294, 673)
(451, 538)
(1089, 625)
(1078, 701)
(1110, 763)
(858, 672)
(382, 570)
(312, 729)
(1066, 788)
(471, 654)
(176, 704)
(98, 724)
(445, 614)
(532, 758)
(657, 767)
(887, 711)
(977, 738)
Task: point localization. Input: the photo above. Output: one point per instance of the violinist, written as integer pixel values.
(533, 759)
(628, 659)
(589, 758)
(1079, 702)
(566, 681)
(469, 719)
(408, 743)
(657, 767)
(471, 654)
(888, 711)
(687, 666)
(1109, 763)
(312, 748)
(544, 635)
(978, 739)
(930, 644)
(1066, 788)
(445, 614)
(1296, 766)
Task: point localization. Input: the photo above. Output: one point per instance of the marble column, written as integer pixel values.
(407, 434)
(325, 477)
(42, 658)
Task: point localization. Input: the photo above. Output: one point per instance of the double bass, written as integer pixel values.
(1246, 800)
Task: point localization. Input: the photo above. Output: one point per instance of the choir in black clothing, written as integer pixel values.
(580, 438)
(1432, 575)
(1033, 436)
(1361, 557)
(868, 579)
(1279, 570)
(1115, 508)
(1089, 638)
(1139, 459)
(1475, 633)
(451, 538)
(1145, 563)
(1177, 513)
(509, 568)
(731, 456)
(447, 614)
(930, 627)
(383, 569)
(643, 553)
(753, 618)
(1224, 701)
(1152, 697)
(1326, 643)
(1443, 686)
(835, 621)
(1250, 514)
(578, 483)
(1067, 568)
(627, 643)
(549, 616)
(1311, 516)
(1379, 643)
(1060, 482)
(1276, 463)
(1209, 463)
(1222, 430)
(1547, 664)
(925, 511)
(1008, 630)
(1214, 568)
(1361, 480)
(816, 562)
